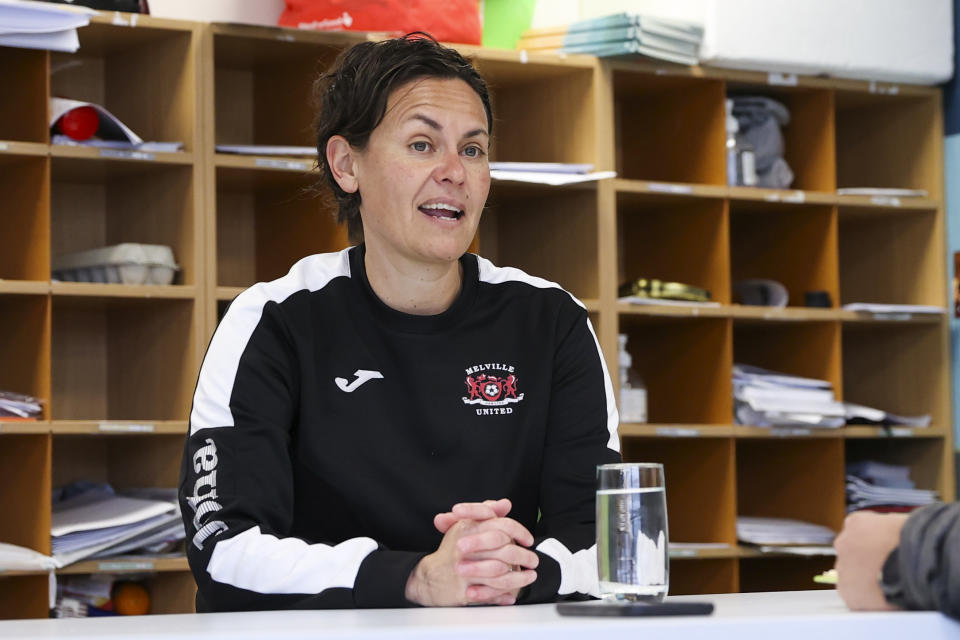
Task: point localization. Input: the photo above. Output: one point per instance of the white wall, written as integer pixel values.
(246, 11)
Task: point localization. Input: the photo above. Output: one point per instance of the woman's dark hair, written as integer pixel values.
(351, 98)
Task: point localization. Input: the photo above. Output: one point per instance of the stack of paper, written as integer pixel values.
(17, 406)
(884, 487)
(551, 173)
(800, 550)
(266, 150)
(869, 307)
(98, 523)
(764, 398)
(782, 531)
(111, 132)
(874, 191)
(880, 474)
(38, 25)
(621, 34)
(858, 414)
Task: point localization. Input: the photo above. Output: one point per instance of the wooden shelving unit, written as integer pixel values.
(117, 364)
(677, 220)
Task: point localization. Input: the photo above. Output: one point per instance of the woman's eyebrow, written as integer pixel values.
(430, 122)
(433, 124)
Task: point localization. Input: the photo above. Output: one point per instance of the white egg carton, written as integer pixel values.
(127, 263)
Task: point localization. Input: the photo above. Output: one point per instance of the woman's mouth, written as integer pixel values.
(441, 211)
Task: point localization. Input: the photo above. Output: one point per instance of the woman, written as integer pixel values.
(355, 421)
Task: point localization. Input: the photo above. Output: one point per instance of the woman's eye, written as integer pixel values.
(473, 152)
(420, 145)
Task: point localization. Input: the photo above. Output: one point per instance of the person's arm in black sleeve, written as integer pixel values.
(582, 433)
(924, 571)
(236, 488)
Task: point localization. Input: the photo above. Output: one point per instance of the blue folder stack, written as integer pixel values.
(621, 34)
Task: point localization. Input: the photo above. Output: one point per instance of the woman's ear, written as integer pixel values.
(341, 160)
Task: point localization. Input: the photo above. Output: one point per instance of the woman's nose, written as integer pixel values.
(450, 167)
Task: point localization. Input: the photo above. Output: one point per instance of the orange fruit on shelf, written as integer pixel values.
(131, 599)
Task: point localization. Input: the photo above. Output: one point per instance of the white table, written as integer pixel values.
(799, 615)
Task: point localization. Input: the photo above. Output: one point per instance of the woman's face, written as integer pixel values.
(424, 176)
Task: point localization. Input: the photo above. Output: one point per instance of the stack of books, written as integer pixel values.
(778, 534)
(884, 487)
(95, 523)
(621, 34)
(765, 398)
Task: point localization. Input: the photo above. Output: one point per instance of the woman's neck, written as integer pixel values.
(413, 287)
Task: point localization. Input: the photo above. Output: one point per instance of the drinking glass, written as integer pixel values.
(632, 554)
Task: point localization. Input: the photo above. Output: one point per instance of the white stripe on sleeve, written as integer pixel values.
(493, 274)
(211, 400)
(266, 564)
(613, 416)
(578, 571)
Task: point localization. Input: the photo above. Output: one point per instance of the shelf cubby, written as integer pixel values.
(131, 461)
(542, 112)
(800, 479)
(145, 76)
(896, 367)
(25, 323)
(891, 256)
(809, 136)
(925, 457)
(669, 128)
(682, 359)
(250, 73)
(123, 359)
(170, 591)
(889, 141)
(699, 476)
(674, 239)
(806, 349)
(550, 233)
(795, 245)
(95, 203)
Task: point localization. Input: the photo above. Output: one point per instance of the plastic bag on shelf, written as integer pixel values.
(449, 21)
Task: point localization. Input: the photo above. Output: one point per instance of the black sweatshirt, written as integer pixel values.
(328, 430)
(923, 571)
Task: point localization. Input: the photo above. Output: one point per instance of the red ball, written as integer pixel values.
(80, 123)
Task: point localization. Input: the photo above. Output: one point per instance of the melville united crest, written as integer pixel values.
(492, 391)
